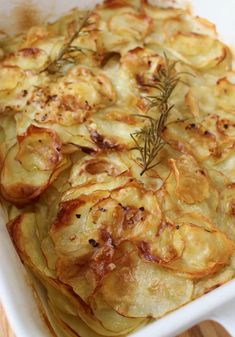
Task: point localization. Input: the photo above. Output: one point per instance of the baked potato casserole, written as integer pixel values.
(117, 159)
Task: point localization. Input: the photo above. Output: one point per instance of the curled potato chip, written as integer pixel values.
(39, 149)
(19, 184)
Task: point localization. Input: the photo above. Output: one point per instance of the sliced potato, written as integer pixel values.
(202, 52)
(27, 172)
(135, 281)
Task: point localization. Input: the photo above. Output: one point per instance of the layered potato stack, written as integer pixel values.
(114, 248)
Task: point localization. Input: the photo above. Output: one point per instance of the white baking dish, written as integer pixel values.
(15, 293)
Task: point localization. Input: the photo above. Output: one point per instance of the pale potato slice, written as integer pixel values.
(184, 23)
(202, 52)
(10, 76)
(225, 92)
(192, 185)
(209, 283)
(205, 252)
(130, 24)
(191, 138)
(23, 232)
(144, 289)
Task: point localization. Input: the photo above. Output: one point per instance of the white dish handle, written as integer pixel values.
(225, 316)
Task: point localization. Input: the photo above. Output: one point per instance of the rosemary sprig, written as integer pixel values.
(67, 49)
(148, 140)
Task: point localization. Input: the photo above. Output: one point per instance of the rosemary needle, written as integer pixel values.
(148, 140)
(55, 65)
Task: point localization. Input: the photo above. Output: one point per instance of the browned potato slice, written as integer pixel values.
(28, 59)
(23, 232)
(71, 100)
(28, 170)
(127, 212)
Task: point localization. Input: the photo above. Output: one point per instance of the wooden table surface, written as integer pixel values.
(205, 329)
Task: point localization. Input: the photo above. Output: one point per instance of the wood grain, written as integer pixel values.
(205, 329)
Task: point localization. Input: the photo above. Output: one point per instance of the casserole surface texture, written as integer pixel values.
(117, 158)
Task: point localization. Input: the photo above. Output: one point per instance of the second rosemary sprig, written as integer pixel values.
(148, 140)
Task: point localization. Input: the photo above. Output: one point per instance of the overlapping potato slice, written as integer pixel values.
(141, 64)
(10, 76)
(136, 281)
(98, 169)
(103, 212)
(205, 251)
(17, 90)
(24, 236)
(31, 165)
(111, 129)
(225, 92)
(191, 138)
(130, 24)
(23, 232)
(209, 283)
(125, 27)
(27, 59)
(7, 135)
(227, 211)
(71, 100)
(192, 185)
(202, 52)
(184, 23)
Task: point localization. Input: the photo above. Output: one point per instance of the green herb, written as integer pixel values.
(148, 140)
(64, 56)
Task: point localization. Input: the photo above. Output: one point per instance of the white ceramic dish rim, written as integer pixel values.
(17, 297)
